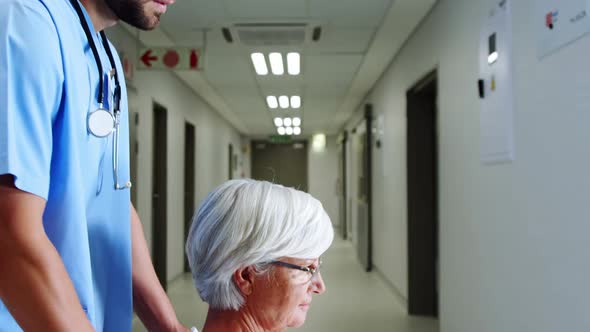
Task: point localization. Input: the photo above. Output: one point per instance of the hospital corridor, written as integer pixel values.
(448, 142)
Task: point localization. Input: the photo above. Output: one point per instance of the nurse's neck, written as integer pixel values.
(101, 15)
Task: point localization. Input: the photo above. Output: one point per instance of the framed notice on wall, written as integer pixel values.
(559, 23)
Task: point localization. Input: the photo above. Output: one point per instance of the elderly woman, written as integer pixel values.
(254, 249)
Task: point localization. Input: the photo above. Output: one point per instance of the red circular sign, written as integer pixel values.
(171, 59)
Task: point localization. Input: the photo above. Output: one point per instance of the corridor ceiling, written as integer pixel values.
(359, 39)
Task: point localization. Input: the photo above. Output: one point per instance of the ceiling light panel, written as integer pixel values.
(287, 122)
(289, 131)
(294, 63)
(281, 131)
(276, 63)
(296, 131)
(278, 122)
(296, 122)
(295, 102)
(284, 102)
(272, 102)
(259, 62)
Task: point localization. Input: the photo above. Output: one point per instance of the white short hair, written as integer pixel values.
(247, 222)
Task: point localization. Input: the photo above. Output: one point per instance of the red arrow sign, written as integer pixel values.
(171, 59)
(147, 58)
(194, 59)
(166, 58)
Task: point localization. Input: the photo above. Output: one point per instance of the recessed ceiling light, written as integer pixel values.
(284, 102)
(259, 63)
(278, 122)
(297, 131)
(272, 102)
(295, 102)
(294, 63)
(296, 122)
(281, 131)
(276, 63)
(288, 122)
(289, 131)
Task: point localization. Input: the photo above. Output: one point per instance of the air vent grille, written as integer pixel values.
(271, 34)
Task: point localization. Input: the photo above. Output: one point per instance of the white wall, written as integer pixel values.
(323, 175)
(213, 135)
(514, 237)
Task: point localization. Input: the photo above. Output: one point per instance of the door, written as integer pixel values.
(350, 186)
(189, 183)
(230, 161)
(342, 184)
(284, 164)
(159, 194)
(133, 145)
(364, 191)
(422, 166)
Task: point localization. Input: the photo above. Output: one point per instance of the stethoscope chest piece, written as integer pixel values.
(101, 123)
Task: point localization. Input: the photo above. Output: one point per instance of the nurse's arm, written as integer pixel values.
(149, 298)
(34, 284)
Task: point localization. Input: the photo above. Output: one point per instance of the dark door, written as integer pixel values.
(284, 164)
(133, 153)
(230, 160)
(189, 182)
(364, 203)
(342, 184)
(159, 194)
(422, 198)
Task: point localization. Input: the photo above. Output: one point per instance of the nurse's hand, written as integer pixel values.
(181, 328)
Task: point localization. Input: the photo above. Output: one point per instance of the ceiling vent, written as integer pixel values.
(272, 34)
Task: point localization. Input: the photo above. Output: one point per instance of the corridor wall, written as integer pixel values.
(323, 176)
(513, 236)
(213, 135)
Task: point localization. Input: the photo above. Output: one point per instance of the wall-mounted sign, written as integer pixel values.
(495, 85)
(169, 58)
(277, 139)
(559, 23)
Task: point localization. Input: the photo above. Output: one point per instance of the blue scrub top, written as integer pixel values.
(48, 86)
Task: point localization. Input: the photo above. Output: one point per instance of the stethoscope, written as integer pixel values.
(102, 123)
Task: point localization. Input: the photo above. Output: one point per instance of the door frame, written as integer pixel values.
(423, 196)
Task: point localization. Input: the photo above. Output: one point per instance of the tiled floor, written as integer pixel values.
(355, 301)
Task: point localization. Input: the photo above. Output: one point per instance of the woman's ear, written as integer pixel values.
(244, 279)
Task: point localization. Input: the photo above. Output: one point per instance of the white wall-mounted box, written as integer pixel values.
(496, 87)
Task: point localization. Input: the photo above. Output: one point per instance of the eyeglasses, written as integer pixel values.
(309, 274)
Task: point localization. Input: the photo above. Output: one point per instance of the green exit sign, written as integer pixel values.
(277, 139)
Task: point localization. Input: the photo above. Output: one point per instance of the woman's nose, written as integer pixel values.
(318, 285)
